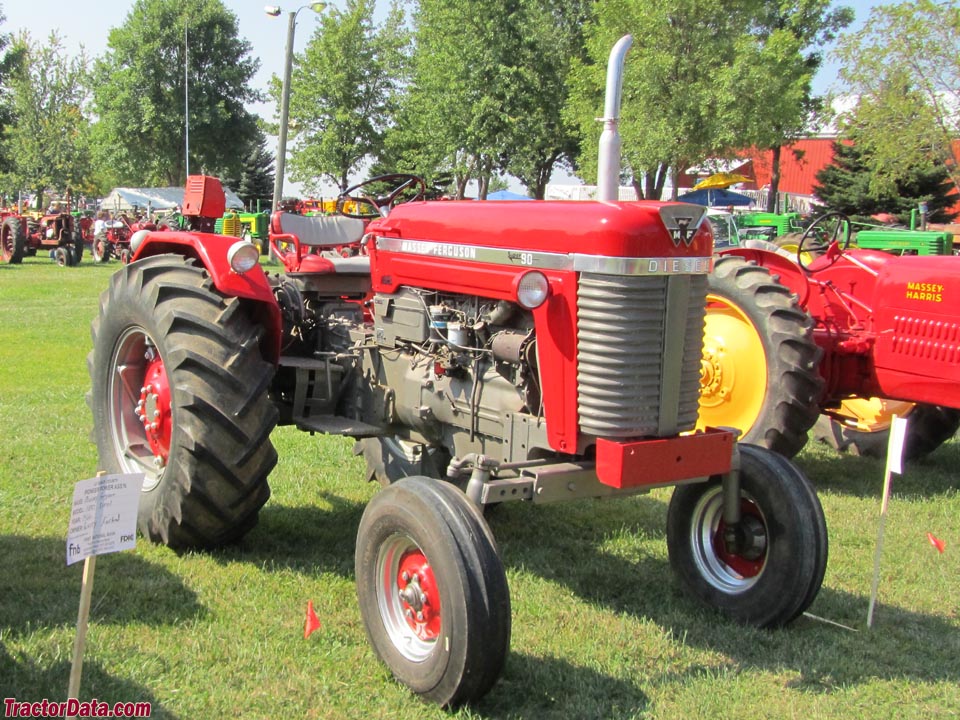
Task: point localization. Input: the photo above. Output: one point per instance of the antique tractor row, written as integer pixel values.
(24, 235)
(835, 338)
(478, 353)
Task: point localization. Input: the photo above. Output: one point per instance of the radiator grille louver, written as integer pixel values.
(635, 377)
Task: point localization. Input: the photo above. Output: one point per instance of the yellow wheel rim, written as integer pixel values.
(792, 248)
(870, 414)
(733, 372)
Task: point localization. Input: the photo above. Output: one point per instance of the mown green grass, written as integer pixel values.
(600, 629)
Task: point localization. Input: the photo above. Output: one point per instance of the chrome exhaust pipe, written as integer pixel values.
(608, 160)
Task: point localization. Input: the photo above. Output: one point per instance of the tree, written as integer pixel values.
(705, 78)
(141, 93)
(48, 145)
(845, 186)
(777, 61)
(257, 176)
(342, 94)
(10, 58)
(679, 86)
(487, 87)
(904, 67)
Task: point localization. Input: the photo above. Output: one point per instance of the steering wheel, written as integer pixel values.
(821, 235)
(395, 188)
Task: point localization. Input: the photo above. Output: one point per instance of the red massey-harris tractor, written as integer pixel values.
(836, 338)
(478, 352)
(24, 235)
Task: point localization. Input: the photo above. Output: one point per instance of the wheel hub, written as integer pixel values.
(418, 595)
(153, 408)
(742, 547)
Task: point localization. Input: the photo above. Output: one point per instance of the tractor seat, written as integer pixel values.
(316, 243)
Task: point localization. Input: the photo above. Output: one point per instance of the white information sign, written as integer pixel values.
(104, 516)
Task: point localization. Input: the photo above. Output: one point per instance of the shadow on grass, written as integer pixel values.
(903, 645)
(309, 539)
(37, 589)
(862, 477)
(26, 681)
(553, 688)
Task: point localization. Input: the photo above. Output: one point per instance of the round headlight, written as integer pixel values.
(136, 240)
(243, 256)
(532, 289)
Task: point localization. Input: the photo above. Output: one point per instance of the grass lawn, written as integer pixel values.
(600, 629)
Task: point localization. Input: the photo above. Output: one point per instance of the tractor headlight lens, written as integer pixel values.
(136, 240)
(532, 289)
(243, 256)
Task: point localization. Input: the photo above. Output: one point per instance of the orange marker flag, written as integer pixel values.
(312, 623)
(936, 542)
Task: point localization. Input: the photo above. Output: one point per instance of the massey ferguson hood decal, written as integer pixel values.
(682, 221)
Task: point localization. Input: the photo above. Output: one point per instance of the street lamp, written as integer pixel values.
(274, 11)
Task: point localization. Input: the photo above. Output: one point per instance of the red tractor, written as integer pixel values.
(479, 353)
(57, 231)
(112, 238)
(835, 337)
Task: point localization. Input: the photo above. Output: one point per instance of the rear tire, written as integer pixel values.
(423, 547)
(928, 427)
(179, 393)
(778, 571)
(100, 251)
(760, 361)
(12, 241)
(390, 459)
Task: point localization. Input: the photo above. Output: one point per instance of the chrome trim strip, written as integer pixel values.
(576, 262)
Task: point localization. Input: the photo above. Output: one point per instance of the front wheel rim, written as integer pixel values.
(408, 598)
(728, 572)
(140, 409)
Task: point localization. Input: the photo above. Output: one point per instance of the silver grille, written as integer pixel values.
(639, 347)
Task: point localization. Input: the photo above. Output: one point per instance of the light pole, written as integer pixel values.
(274, 11)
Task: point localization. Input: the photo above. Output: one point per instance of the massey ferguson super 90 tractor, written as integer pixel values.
(478, 352)
(833, 337)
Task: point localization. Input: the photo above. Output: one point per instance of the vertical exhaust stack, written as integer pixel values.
(608, 161)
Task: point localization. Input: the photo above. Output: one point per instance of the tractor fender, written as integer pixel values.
(786, 270)
(210, 251)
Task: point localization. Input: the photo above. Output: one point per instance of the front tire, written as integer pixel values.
(179, 393)
(432, 591)
(101, 250)
(759, 371)
(778, 568)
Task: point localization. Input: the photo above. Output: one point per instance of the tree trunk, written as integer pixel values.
(774, 179)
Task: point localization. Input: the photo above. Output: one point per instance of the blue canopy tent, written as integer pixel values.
(507, 195)
(716, 197)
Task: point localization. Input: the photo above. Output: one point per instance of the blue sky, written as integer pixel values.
(87, 24)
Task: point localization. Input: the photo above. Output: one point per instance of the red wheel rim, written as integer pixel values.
(419, 595)
(153, 408)
(745, 567)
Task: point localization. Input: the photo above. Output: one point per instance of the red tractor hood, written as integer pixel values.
(628, 229)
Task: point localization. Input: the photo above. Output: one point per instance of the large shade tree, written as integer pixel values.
(904, 68)
(168, 54)
(48, 144)
(343, 88)
(704, 78)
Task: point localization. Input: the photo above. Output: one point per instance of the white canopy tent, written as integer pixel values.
(124, 199)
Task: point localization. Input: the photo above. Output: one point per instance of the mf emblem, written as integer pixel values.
(682, 222)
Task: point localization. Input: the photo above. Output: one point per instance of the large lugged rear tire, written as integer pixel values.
(432, 590)
(179, 393)
(392, 458)
(777, 571)
(759, 359)
(12, 241)
(928, 427)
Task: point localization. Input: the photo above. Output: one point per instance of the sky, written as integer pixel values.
(87, 24)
